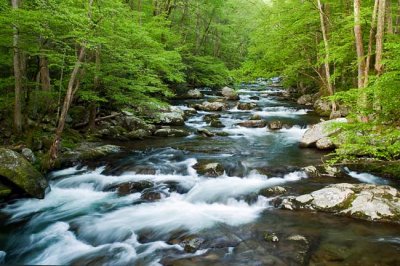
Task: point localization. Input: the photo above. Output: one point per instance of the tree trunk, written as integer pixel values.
(397, 30)
(93, 105)
(389, 17)
(372, 33)
(73, 80)
(359, 44)
(379, 37)
(44, 73)
(17, 76)
(326, 61)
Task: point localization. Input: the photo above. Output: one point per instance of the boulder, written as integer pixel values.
(362, 201)
(211, 106)
(138, 134)
(29, 155)
(272, 191)
(275, 125)
(216, 123)
(205, 132)
(171, 132)
(311, 171)
(174, 116)
(319, 131)
(194, 94)
(192, 244)
(246, 106)
(209, 169)
(253, 124)
(306, 100)
(19, 172)
(209, 117)
(189, 112)
(325, 144)
(230, 94)
(323, 107)
(255, 117)
(131, 187)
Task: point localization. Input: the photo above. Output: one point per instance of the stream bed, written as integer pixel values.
(184, 218)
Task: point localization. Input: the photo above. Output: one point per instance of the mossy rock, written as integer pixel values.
(4, 191)
(19, 172)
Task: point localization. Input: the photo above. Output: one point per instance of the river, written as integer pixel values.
(85, 220)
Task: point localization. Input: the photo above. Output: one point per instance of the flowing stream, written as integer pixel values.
(86, 220)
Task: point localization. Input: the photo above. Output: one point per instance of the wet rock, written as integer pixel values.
(131, 122)
(253, 124)
(271, 237)
(29, 155)
(272, 191)
(192, 244)
(325, 144)
(131, 187)
(216, 123)
(332, 170)
(254, 98)
(205, 132)
(211, 106)
(209, 169)
(275, 125)
(246, 106)
(173, 117)
(91, 153)
(255, 117)
(362, 201)
(222, 134)
(149, 195)
(138, 134)
(298, 238)
(210, 117)
(194, 94)
(19, 172)
(171, 132)
(230, 94)
(311, 171)
(189, 112)
(306, 100)
(319, 131)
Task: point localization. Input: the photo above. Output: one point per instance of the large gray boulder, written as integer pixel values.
(18, 171)
(171, 132)
(320, 131)
(306, 99)
(362, 201)
(323, 107)
(194, 94)
(253, 124)
(230, 94)
(174, 116)
(211, 106)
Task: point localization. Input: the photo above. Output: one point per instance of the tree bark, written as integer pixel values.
(44, 73)
(389, 17)
(372, 33)
(359, 44)
(326, 61)
(17, 75)
(93, 105)
(379, 36)
(397, 30)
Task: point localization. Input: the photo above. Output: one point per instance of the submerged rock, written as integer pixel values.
(192, 244)
(230, 94)
(320, 131)
(210, 117)
(271, 237)
(216, 123)
(131, 187)
(205, 132)
(253, 124)
(18, 171)
(362, 201)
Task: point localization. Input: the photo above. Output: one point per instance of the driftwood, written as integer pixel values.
(98, 120)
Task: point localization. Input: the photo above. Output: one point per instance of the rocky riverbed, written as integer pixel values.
(218, 179)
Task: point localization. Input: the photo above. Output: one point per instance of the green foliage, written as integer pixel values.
(206, 71)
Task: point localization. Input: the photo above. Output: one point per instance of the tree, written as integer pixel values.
(17, 75)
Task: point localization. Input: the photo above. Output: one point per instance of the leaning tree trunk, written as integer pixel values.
(17, 75)
(329, 85)
(73, 80)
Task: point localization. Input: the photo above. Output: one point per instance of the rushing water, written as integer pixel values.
(84, 220)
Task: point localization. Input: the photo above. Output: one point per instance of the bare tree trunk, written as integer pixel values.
(326, 61)
(93, 105)
(397, 30)
(379, 37)
(17, 76)
(389, 17)
(372, 33)
(359, 43)
(44, 73)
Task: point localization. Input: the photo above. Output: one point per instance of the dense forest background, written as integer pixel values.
(105, 55)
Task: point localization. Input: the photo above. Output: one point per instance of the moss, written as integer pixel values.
(4, 191)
